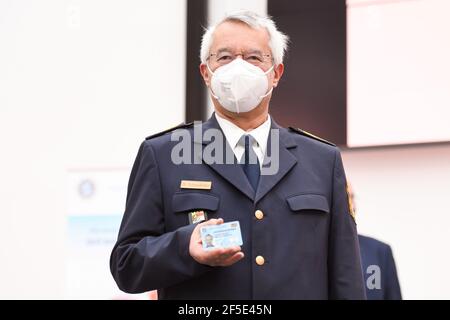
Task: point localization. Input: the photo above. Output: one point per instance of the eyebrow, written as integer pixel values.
(229, 50)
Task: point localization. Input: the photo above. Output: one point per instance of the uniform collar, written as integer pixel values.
(233, 133)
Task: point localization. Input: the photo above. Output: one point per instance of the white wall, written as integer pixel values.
(402, 196)
(388, 78)
(82, 83)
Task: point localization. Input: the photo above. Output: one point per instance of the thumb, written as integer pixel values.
(206, 223)
(212, 222)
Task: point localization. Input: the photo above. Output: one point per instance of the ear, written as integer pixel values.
(278, 73)
(205, 73)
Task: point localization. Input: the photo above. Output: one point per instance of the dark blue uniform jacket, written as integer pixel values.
(307, 237)
(375, 252)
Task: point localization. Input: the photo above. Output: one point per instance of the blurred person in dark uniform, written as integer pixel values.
(380, 273)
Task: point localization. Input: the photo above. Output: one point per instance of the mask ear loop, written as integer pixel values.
(270, 70)
(210, 89)
(270, 91)
(266, 73)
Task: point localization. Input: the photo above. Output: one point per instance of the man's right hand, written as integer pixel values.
(222, 257)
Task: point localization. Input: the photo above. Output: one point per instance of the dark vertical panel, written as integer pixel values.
(195, 90)
(313, 92)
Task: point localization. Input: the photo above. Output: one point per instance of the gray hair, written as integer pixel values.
(278, 41)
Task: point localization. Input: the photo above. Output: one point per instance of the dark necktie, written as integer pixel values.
(250, 162)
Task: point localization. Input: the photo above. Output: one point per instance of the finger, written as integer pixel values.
(222, 253)
(229, 252)
(214, 254)
(218, 256)
(233, 259)
(225, 256)
(223, 259)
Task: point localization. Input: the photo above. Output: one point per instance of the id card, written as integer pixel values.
(221, 236)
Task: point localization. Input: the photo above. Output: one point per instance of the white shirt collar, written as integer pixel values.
(233, 133)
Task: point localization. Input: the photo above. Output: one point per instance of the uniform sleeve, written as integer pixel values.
(392, 285)
(344, 262)
(146, 257)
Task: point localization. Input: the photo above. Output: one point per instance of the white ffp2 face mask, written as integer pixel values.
(239, 86)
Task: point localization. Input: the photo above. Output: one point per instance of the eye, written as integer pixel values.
(224, 58)
(254, 58)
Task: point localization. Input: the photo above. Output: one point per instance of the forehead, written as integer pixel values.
(238, 36)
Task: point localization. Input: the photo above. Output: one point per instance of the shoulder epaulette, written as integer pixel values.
(310, 135)
(180, 126)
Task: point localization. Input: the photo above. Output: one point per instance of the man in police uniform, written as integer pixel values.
(299, 235)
